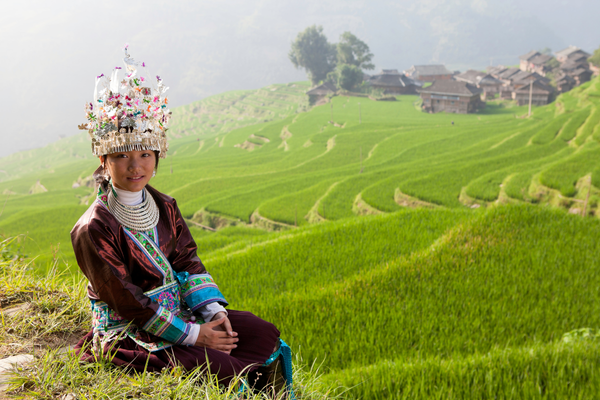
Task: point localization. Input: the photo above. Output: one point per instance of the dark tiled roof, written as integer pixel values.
(579, 71)
(538, 87)
(390, 72)
(520, 76)
(393, 79)
(508, 73)
(525, 77)
(571, 64)
(569, 51)
(427, 70)
(323, 89)
(453, 88)
(529, 55)
(579, 57)
(488, 80)
(564, 78)
(497, 70)
(541, 59)
(566, 52)
(471, 76)
(477, 78)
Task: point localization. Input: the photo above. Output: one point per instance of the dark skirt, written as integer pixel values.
(258, 339)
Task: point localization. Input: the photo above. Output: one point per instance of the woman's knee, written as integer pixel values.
(245, 321)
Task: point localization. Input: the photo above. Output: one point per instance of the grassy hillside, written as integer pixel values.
(225, 112)
(487, 289)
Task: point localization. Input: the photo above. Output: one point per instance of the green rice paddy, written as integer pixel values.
(401, 249)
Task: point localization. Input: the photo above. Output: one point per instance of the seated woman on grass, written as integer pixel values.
(154, 305)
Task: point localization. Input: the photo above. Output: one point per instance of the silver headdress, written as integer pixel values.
(128, 115)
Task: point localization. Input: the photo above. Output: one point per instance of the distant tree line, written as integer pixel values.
(341, 63)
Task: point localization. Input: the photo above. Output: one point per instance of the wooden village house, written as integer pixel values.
(564, 82)
(534, 61)
(451, 96)
(393, 82)
(482, 80)
(506, 75)
(429, 73)
(572, 53)
(522, 78)
(504, 91)
(573, 62)
(318, 94)
(579, 70)
(540, 93)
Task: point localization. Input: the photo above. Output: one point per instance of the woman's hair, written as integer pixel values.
(101, 174)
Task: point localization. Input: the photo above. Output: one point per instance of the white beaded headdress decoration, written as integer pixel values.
(128, 115)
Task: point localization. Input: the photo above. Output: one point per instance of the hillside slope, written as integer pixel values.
(434, 303)
(350, 157)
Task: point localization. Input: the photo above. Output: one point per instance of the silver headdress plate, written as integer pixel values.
(128, 114)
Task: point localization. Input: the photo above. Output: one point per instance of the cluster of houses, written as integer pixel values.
(467, 92)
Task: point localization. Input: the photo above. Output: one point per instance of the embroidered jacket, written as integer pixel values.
(144, 283)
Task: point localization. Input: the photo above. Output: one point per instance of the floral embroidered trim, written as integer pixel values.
(153, 235)
(151, 347)
(168, 326)
(104, 319)
(153, 253)
(167, 296)
(200, 290)
(102, 197)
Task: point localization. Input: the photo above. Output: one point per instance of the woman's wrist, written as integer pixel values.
(219, 315)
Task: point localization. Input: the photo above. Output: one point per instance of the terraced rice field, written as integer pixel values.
(303, 168)
(434, 303)
(415, 255)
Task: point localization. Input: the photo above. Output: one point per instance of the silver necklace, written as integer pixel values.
(141, 217)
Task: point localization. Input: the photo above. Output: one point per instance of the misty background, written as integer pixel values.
(52, 51)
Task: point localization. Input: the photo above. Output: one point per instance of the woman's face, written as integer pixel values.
(131, 170)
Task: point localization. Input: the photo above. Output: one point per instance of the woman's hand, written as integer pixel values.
(217, 334)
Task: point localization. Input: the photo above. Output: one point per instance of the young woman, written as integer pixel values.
(154, 305)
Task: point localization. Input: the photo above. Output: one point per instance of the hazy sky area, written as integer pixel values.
(53, 50)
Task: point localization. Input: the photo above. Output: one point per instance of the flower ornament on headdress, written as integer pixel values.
(127, 114)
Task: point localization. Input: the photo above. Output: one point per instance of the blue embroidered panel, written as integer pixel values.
(199, 290)
(169, 322)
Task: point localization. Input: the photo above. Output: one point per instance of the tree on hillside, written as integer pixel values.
(346, 76)
(595, 58)
(353, 51)
(314, 53)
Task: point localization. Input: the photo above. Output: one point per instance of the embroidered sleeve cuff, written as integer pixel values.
(168, 326)
(200, 290)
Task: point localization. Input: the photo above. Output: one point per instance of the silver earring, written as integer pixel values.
(153, 173)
